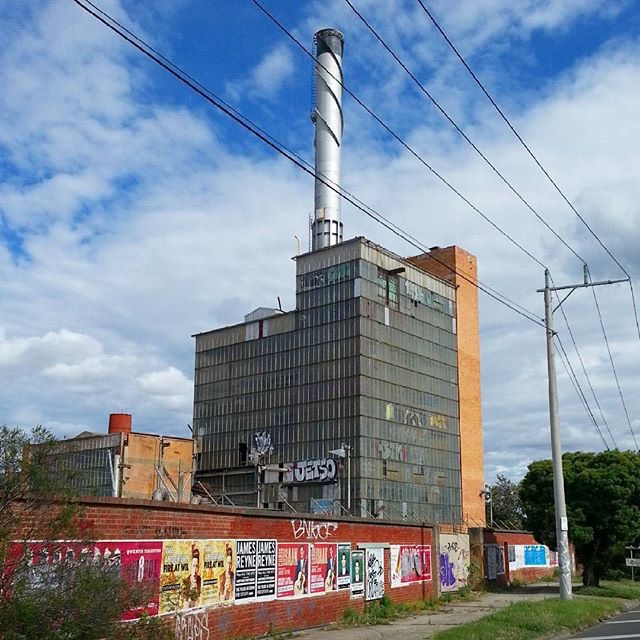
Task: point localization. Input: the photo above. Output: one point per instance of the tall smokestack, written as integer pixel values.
(326, 229)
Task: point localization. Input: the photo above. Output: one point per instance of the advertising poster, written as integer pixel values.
(139, 563)
(323, 568)
(246, 570)
(293, 569)
(266, 569)
(357, 574)
(344, 565)
(255, 576)
(136, 561)
(410, 564)
(196, 573)
(374, 577)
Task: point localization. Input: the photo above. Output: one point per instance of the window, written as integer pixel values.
(388, 286)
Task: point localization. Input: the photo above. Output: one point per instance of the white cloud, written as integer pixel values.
(267, 79)
(169, 387)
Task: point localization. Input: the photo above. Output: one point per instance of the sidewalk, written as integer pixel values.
(423, 625)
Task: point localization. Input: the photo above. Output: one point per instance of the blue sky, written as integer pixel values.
(133, 215)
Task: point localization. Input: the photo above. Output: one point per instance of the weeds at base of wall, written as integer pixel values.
(383, 611)
(272, 634)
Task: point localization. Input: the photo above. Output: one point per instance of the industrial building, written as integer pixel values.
(123, 463)
(364, 399)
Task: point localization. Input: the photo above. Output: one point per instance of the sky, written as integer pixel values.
(133, 214)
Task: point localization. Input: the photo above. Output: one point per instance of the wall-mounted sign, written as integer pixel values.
(318, 470)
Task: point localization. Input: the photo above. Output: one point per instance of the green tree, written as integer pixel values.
(506, 504)
(603, 506)
(76, 599)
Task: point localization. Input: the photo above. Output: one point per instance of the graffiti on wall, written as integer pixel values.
(528, 555)
(390, 450)
(454, 561)
(312, 530)
(192, 625)
(411, 417)
(317, 470)
(375, 573)
(326, 276)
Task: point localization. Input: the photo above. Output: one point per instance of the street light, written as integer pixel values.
(488, 498)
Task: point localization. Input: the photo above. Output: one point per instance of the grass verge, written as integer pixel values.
(608, 589)
(529, 620)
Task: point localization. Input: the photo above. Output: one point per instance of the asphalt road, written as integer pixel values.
(625, 626)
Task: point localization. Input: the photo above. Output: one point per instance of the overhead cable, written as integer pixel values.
(217, 102)
(534, 157)
(397, 137)
(462, 133)
(564, 358)
(586, 375)
(613, 368)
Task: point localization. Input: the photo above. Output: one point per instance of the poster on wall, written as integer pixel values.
(246, 570)
(494, 560)
(454, 561)
(136, 561)
(196, 573)
(357, 574)
(323, 568)
(140, 564)
(344, 565)
(255, 576)
(410, 564)
(374, 581)
(293, 569)
(490, 560)
(266, 578)
(499, 559)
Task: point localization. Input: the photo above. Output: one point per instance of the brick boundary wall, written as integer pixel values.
(127, 519)
(525, 574)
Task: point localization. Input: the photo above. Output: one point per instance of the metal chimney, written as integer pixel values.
(326, 229)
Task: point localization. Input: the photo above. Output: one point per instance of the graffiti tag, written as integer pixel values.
(313, 530)
(192, 626)
(170, 532)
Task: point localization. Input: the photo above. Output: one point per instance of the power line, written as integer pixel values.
(214, 100)
(613, 367)
(462, 133)
(533, 156)
(566, 363)
(396, 136)
(586, 375)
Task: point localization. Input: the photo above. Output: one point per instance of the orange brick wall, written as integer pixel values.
(444, 263)
(123, 519)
